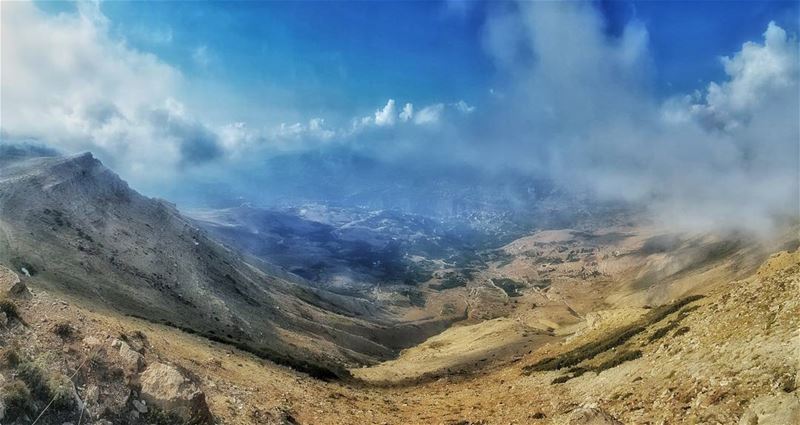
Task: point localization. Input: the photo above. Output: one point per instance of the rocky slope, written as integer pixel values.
(77, 229)
(115, 308)
(729, 356)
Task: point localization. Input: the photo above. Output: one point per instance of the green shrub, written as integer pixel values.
(45, 385)
(608, 364)
(60, 390)
(17, 400)
(681, 331)
(35, 378)
(617, 338)
(585, 352)
(510, 286)
(156, 416)
(617, 360)
(64, 330)
(10, 309)
(10, 357)
(662, 332)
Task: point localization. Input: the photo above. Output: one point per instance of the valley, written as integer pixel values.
(610, 321)
(436, 212)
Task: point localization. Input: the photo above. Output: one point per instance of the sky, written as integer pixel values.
(632, 100)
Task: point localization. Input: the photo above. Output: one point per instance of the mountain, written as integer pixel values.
(77, 229)
(710, 338)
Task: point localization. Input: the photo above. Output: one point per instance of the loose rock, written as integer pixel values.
(166, 387)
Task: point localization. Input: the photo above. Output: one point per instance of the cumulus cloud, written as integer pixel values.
(579, 110)
(570, 102)
(386, 116)
(429, 115)
(757, 73)
(315, 129)
(407, 113)
(66, 81)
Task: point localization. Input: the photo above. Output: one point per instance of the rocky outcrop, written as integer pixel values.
(167, 388)
(11, 285)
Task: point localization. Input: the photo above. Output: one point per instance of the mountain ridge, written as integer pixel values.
(80, 229)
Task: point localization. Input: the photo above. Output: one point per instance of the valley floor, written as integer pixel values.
(731, 355)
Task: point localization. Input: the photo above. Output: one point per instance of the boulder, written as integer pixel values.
(20, 291)
(778, 409)
(132, 361)
(165, 387)
(12, 285)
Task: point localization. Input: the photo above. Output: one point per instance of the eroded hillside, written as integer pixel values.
(723, 352)
(78, 230)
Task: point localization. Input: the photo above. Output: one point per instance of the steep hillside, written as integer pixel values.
(556, 285)
(730, 356)
(77, 229)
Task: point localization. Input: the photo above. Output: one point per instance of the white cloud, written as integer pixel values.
(757, 73)
(386, 116)
(429, 115)
(578, 108)
(407, 112)
(464, 107)
(65, 81)
(315, 129)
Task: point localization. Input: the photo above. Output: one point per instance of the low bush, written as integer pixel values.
(617, 338)
(156, 416)
(45, 385)
(35, 378)
(10, 357)
(17, 400)
(10, 309)
(617, 360)
(681, 331)
(662, 332)
(64, 330)
(585, 352)
(510, 286)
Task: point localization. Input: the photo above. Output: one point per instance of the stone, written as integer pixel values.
(3, 319)
(167, 388)
(91, 341)
(131, 360)
(777, 409)
(140, 406)
(592, 416)
(20, 291)
(7, 279)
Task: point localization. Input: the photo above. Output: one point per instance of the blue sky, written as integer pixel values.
(694, 104)
(345, 57)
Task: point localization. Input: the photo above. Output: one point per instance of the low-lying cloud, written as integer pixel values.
(583, 113)
(570, 102)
